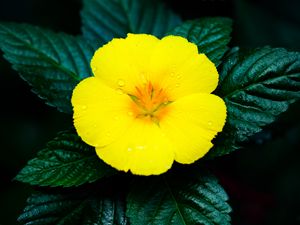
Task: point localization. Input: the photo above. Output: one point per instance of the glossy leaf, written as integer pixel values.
(178, 199)
(66, 161)
(73, 209)
(103, 20)
(257, 86)
(51, 63)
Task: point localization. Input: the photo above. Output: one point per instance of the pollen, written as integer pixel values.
(149, 102)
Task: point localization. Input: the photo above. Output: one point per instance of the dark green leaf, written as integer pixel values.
(103, 20)
(66, 161)
(257, 86)
(73, 209)
(211, 35)
(51, 63)
(178, 199)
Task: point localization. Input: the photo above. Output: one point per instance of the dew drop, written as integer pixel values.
(140, 147)
(130, 113)
(172, 74)
(84, 107)
(210, 123)
(129, 149)
(178, 76)
(119, 91)
(121, 83)
(177, 85)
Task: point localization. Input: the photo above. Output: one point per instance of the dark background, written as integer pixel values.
(262, 180)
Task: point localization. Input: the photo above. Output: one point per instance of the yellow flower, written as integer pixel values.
(149, 104)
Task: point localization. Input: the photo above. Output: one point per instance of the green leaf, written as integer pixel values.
(73, 209)
(103, 20)
(211, 35)
(51, 63)
(66, 161)
(178, 199)
(257, 86)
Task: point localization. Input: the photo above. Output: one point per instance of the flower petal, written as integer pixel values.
(101, 114)
(176, 65)
(123, 63)
(191, 124)
(143, 149)
(149, 104)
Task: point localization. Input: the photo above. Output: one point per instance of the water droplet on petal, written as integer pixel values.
(140, 147)
(210, 123)
(120, 91)
(178, 76)
(177, 85)
(130, 113)
(84, 107)
(172, 74)
(121, 83)
(129, 149)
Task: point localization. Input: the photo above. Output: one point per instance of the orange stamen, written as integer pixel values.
(150, 102)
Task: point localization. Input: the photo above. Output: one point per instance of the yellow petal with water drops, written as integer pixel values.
(143, 149)
(101, 114)
(123, 63)
(180, 70)
(191, 124)
(149, 104)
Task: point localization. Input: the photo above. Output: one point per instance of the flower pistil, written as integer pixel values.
(149, 102)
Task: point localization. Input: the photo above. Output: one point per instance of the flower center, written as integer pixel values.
(149, 102)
